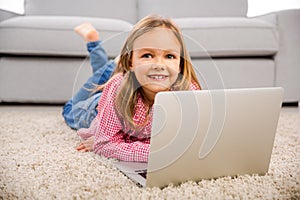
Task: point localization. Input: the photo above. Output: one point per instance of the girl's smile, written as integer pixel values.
(158, 77)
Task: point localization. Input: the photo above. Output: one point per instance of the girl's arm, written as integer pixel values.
(109, 135)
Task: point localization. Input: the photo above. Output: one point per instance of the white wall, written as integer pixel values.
(16, 6)
(259, 7)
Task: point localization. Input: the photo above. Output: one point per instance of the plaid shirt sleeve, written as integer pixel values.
(110, 139)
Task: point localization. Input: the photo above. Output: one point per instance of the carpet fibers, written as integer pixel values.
(39, 161)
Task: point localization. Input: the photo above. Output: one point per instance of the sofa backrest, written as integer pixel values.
(193, 8)
(117, 9)
(133, 10)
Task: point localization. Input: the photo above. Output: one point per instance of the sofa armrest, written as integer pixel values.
(288, 57)
(6, 15)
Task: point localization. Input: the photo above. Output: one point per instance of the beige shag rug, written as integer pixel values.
(39, 161)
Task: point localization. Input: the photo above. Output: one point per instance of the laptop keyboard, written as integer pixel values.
(142, 172)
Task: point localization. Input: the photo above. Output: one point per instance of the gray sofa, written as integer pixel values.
(42, 60)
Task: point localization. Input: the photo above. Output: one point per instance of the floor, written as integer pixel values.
(4, 108)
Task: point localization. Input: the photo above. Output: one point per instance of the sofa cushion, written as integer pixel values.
(54, 36)
(229, 36)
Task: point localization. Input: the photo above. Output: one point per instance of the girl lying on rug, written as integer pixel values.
(115, 121)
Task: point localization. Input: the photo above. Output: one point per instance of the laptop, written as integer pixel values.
(208, 134)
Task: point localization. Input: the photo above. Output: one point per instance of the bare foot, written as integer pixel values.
(87, 32)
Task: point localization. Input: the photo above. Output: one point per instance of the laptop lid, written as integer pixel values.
(212, 133)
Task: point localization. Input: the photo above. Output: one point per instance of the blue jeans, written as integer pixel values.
(80, 110)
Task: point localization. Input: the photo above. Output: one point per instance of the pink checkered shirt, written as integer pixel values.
(113, 137)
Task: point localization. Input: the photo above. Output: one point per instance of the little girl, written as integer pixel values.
(153, 59)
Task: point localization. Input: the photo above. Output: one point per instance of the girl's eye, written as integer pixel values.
(147, 55)
(170, 56)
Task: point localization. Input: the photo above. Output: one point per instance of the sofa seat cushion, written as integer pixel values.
(54, 35)
(220, 37)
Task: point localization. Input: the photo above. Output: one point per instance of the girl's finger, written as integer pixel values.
(84, 150)
(80, 147)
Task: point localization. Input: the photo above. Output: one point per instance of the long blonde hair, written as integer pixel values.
(129, 90)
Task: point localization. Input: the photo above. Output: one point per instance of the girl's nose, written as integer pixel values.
(159, 64)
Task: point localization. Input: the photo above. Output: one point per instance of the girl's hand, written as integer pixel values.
(86, 145)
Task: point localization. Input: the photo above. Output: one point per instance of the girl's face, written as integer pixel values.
(155, 60)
